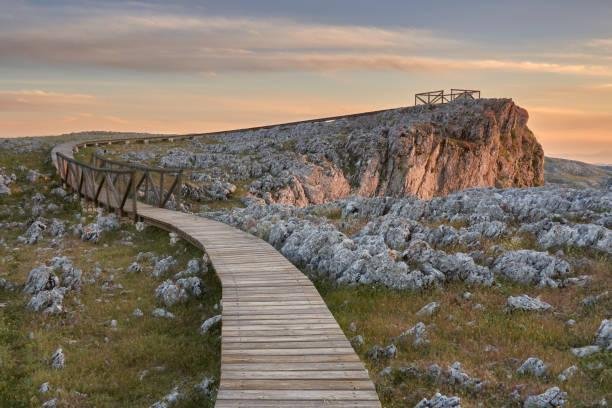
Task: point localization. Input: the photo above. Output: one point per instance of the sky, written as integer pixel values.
(183, 67)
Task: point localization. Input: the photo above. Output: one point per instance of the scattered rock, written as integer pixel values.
(134, 267)
(418, 334)
(171, 293)
(377, 352)
(206, 386)
(551, 398)
(592, 300)
(568, 373)
(533, 366)
(585, 351)
(428, 309)
(137, 313)
(357, 341)
(52, 403)
(209, 324)
(439, 401)
(603, 338)
(44, 388)
(48, 301)
(34, 233)
(527, 303)
(40, 278)
(163, 266)
(58, 361)
(159, 312)
(168, 400)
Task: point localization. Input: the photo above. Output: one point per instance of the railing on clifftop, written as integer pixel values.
(437, 97)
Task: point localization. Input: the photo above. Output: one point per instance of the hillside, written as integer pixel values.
(571, 173)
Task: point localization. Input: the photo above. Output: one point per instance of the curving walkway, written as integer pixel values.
(281, 346)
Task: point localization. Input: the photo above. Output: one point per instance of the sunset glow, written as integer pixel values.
(194, 67)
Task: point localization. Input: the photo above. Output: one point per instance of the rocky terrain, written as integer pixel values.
(475, 236)
(413, 151)
(95, 310)
(459, 279)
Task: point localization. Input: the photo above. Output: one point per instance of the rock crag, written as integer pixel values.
(422, 151)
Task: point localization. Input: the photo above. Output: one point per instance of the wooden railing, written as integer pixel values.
(111, 188)
(437, 97)
(156, 186)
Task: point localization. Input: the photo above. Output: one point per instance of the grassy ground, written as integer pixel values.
(460, 332)
(104, 366)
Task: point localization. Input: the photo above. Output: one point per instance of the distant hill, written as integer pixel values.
(576, 174)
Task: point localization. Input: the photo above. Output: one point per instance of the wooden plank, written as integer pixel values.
(250, 374)
(300, 384)
(296, 394)
(251, 403)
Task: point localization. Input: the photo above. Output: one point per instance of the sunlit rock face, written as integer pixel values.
(423, 151)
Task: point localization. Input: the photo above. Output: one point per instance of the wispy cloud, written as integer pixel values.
(161, 42)
(35, 100)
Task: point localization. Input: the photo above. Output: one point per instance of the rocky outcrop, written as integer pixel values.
(424, 151)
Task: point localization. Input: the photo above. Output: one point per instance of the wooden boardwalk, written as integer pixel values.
(281, 346)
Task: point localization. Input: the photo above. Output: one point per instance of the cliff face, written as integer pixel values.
(424, 151)
(456, 146)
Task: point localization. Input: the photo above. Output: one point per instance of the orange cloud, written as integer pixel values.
(35, 100)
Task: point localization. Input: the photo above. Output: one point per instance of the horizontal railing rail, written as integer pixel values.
(111, 188)
(154, 185)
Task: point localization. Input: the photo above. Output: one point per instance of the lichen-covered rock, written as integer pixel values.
(439, 401)
(526, 303)
(206, 386)
(210, 323)
(603, 337)
(58, 360)
(168, 400)
(533, 366)
(163, 266)
(378, 352)
(34, 233)
(568, 373)
(71, 276)
(417, 334)
(585, 351)
(47, 301)
(59, 192)
(457, 377)
(170, 293)
(134, 267)
(530, 267)
(91, 232)
(57, 228)
(159, 312)
(551, 398)
(428, 310)
(40, 278)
